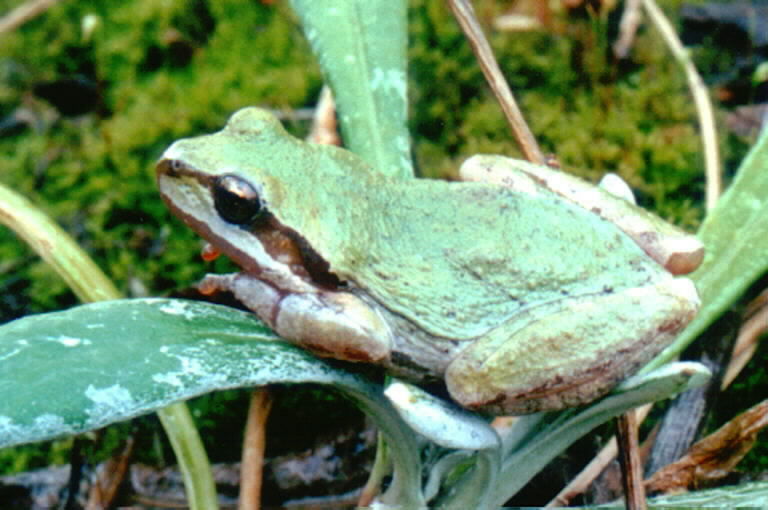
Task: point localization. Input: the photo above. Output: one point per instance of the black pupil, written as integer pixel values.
(235, 200)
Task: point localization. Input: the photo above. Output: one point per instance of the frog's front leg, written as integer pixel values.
(566, 353)
(329, 323)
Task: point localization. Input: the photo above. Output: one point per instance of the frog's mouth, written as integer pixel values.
(262, 247)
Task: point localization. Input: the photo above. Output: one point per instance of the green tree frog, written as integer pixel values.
(520, 298)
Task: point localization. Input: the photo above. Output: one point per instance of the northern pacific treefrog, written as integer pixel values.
(518, 297)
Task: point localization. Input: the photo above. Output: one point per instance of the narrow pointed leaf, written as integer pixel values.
(361, 46)
(735, 236)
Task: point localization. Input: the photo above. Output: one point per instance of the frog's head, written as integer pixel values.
(236, 189)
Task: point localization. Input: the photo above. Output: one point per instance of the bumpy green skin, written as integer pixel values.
(522, 301)
(456, 258)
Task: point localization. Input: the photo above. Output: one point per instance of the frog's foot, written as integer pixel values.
(330, 324)
(570, 352)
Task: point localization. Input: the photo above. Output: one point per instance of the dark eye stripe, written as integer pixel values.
(236, 200)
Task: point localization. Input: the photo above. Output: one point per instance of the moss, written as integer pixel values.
(238, 53)
(596, 117)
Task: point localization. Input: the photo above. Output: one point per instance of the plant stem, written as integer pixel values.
(56, 247)
(190, 454)
(251, 467)
(24, 13)
(700, 98)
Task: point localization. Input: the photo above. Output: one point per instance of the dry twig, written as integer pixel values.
(630, 20)
(587, 475)
(24, 13)
(253, 450)
(465, 15)
(324, 129)
(109, 478)
(714, 456)
(631, 467)
(749, 337)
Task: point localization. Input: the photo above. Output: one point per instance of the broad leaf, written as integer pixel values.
(361, 46)
(76, 370)
(83, 368)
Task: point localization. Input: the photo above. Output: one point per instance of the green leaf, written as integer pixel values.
(83, 368)
(80, 369)
(746, 495)
(441, 421)
(361, 46)
(735, 236)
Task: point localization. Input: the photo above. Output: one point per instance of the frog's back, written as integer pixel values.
(461, 258)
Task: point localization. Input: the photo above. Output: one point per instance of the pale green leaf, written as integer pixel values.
(361, 46)
(80, 369)
(735, 236)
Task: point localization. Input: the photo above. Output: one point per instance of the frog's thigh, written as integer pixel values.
(570, 354)
(332, 324)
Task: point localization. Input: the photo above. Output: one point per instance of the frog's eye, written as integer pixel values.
(236, 200)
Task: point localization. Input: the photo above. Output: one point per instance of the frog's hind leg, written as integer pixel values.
(679, 252)
(570, 352)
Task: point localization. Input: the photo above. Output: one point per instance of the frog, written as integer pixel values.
(514, 297)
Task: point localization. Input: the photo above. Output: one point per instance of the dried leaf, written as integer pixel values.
(714, 456)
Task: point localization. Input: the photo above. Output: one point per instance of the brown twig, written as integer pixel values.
(629, 457)
(587, 475)
(580, 483)
(24, 13)
(109, 478)
(700, 98)
(253, 450)
(465, 15)
(715, 456)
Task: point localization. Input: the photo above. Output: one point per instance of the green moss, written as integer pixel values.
(95, 173)
(594, 116)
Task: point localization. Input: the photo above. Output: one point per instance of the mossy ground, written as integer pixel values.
(164, 70)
